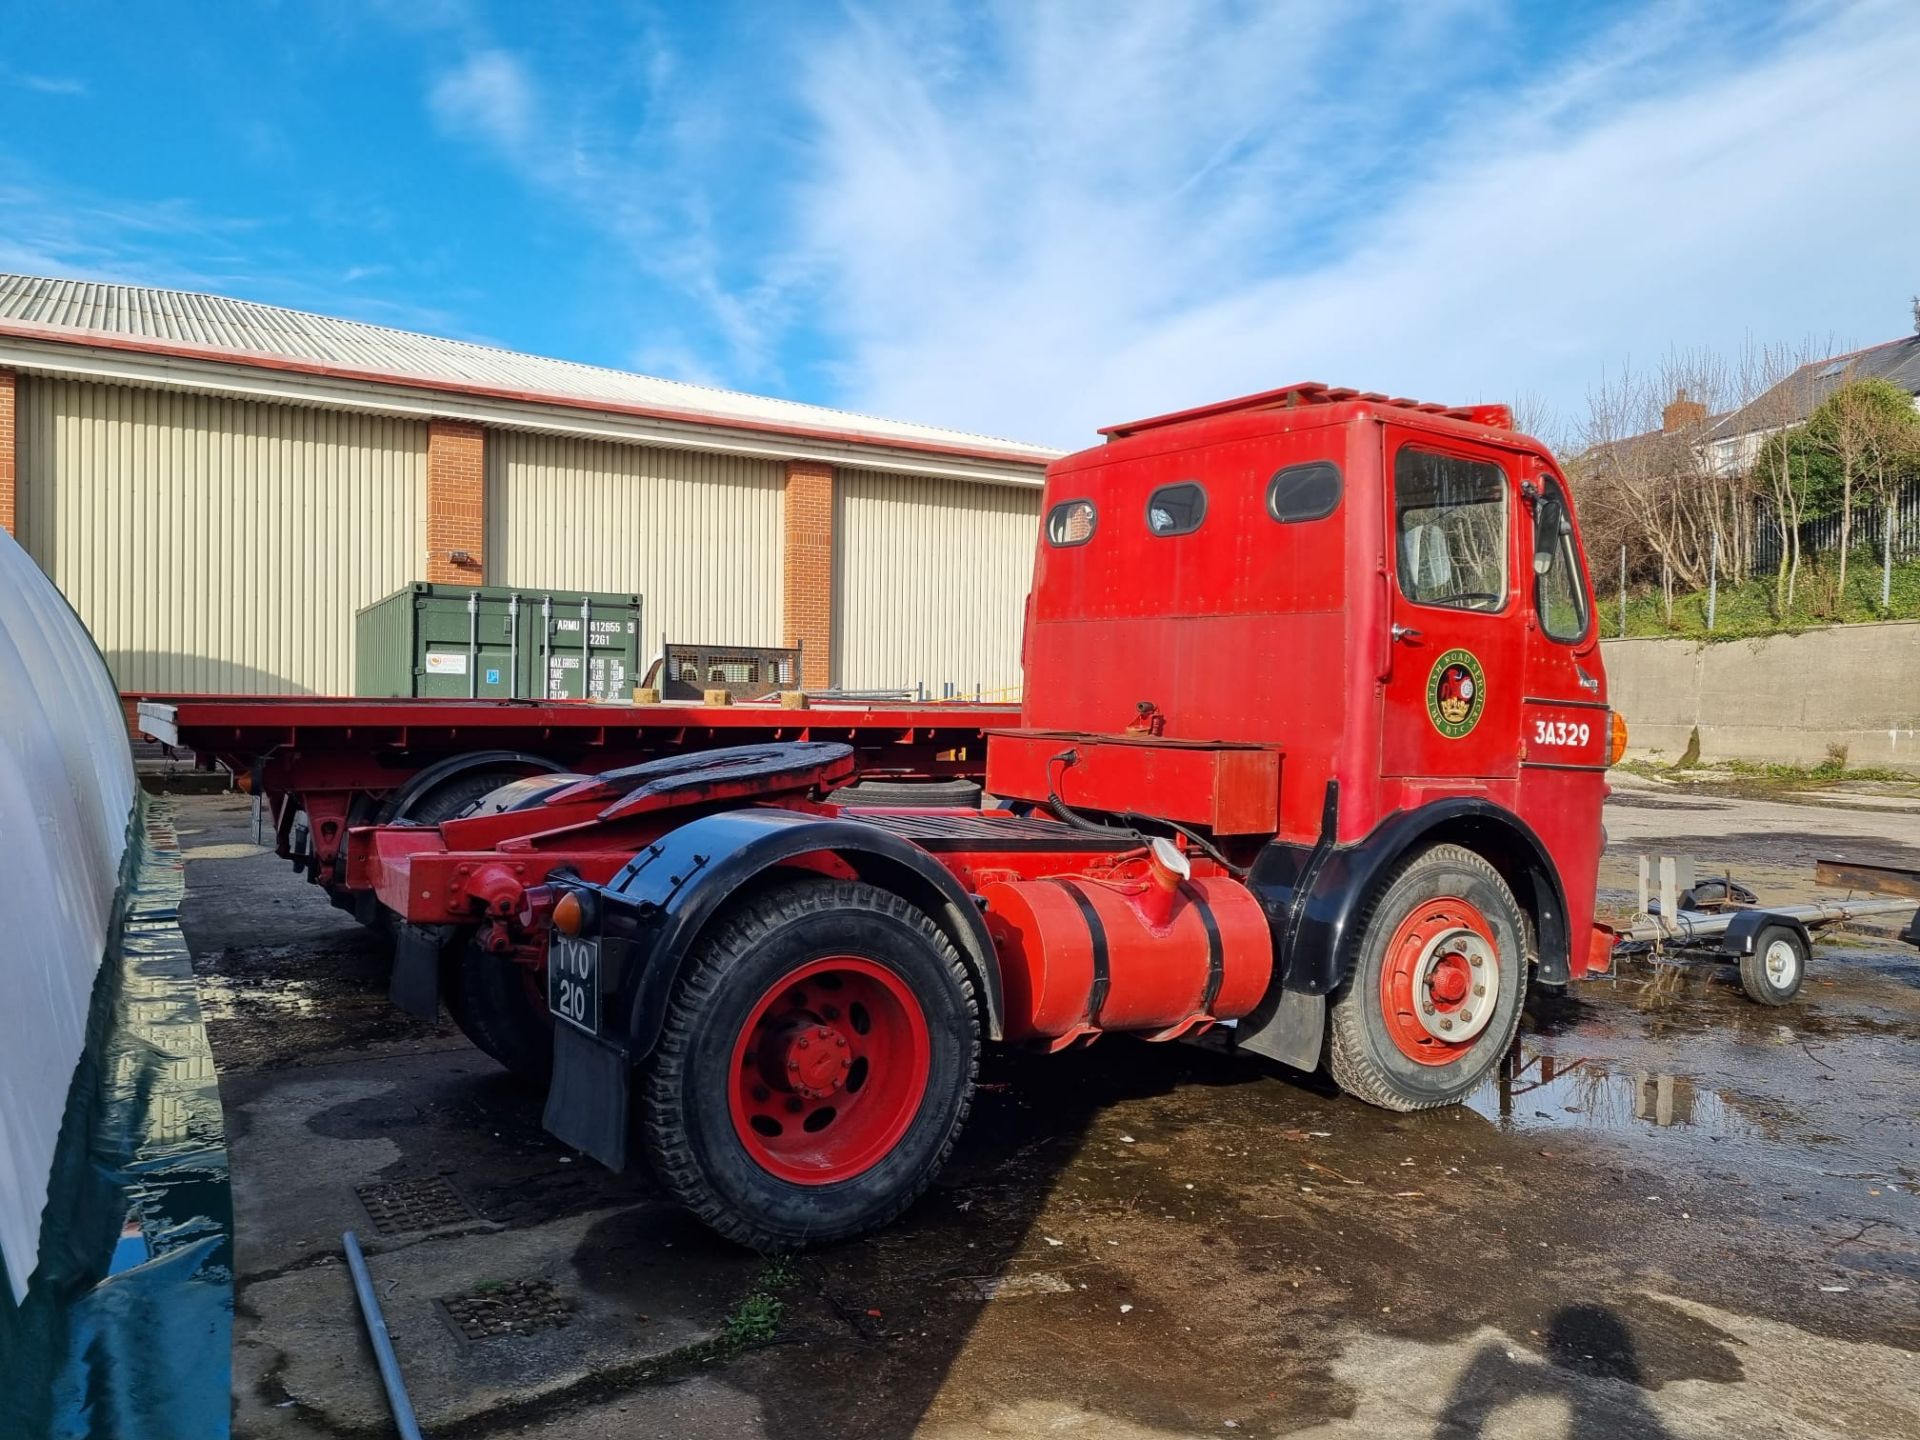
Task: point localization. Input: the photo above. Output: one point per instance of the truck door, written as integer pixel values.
(1451, 691)
(1564, 715)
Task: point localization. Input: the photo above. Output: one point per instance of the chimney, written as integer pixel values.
(1681, 413)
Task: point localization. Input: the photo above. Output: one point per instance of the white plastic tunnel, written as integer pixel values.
(67, 794)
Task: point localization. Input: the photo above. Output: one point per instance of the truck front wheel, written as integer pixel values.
(1433, 998)
(817, 1063)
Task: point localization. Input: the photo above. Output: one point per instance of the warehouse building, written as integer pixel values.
(217, 486)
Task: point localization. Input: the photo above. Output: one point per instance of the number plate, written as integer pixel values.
(573, 980)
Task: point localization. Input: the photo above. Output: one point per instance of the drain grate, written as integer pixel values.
(513, 1307)
(396, 1206)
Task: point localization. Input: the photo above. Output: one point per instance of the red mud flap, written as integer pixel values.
(1600, 950)
(587, 1103)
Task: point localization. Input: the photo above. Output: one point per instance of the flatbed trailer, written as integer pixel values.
(1721, 923)
(320, 764)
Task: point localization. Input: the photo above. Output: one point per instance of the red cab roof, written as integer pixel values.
(1311, 392)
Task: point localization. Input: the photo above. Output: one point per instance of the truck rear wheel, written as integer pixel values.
(499, 1005)
(816, 1066)
(1433, 999)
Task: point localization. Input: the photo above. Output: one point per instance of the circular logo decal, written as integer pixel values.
(1456, 693)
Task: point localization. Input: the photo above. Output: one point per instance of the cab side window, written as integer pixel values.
(1558, 594)
(1450, 530)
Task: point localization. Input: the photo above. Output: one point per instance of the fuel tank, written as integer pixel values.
(1081, 955)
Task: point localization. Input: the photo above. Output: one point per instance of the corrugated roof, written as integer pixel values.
(1800, 394)
(243, 329)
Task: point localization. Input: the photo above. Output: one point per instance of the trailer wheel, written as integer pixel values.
(1777, 968)
(499, 1005)
(1433, 998)
(816, 1064)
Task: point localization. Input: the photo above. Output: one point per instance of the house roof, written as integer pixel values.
(1799, 395)
(38, 312)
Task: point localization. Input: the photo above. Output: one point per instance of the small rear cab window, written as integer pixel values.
(1071, 522)
(1176, 509)
(1304, 492)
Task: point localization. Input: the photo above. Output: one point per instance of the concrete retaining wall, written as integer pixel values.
(1782, 700)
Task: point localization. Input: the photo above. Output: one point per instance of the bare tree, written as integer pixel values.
(1778, 388)
(1647, 463)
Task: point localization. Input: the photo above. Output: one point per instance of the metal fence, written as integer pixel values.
(1822, 536)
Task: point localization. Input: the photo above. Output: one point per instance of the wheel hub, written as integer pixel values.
(810, 1060)
(829, 1070)
(1781, 963)
(1454, 981)
(1440, 985)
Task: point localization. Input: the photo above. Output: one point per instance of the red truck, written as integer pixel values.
(1312, 754)
(1311, 757)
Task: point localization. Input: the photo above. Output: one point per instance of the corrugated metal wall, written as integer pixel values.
(930, 578)
(697, 536)
(213, 544)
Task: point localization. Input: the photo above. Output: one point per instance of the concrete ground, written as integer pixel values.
(1674, 1213)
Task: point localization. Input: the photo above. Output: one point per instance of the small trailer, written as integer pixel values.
(1720, 922)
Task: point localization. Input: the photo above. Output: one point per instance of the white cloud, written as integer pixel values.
(1061, 218)
(487, 97)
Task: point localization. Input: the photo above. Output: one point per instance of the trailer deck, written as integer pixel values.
(322, 763)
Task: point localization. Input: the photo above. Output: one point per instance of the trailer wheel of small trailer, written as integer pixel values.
(1433, 998)
(816, 1065)
(1773, 972)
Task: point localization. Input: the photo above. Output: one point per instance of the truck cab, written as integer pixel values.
(1331, 630)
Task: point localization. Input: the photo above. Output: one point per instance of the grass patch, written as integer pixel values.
(1748, 610)
(757, 1317)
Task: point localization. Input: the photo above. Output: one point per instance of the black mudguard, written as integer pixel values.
(1737, 939)
(1316, 896)
(669, 891)
(653, 912)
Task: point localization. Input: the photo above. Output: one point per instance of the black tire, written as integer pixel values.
(946, 794)
(494, 1005)
(1777, 968)
(685, 1092)
(478, 999)
(457, 794)
(1363, 1056)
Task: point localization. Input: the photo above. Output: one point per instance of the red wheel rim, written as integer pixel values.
(829, 1070)
(1440, 983)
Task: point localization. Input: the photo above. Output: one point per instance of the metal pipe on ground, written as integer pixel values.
(390, 1377)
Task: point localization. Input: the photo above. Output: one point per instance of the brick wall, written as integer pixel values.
(456, 501)
(8, 469)
(806, 570)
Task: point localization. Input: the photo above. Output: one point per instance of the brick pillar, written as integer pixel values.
(456, 501)
(9, 518)
(806, 570)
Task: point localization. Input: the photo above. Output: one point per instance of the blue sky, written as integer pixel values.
(1023, 220)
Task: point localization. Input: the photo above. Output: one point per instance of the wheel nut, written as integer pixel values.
(1445, 1024)
(804, 1042)
(1466, 1017)
(1428, 1007)
(1479, 989)
(1475, 959)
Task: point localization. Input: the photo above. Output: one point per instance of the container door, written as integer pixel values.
(1453, 682)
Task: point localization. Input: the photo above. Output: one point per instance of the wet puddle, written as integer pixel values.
(1536, 1091)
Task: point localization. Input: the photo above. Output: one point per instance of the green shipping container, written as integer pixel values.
(494, 643)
